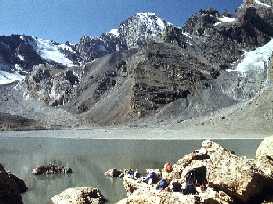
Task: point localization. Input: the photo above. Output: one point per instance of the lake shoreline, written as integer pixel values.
(125, 133)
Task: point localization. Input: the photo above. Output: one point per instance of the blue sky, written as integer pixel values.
(62, 20)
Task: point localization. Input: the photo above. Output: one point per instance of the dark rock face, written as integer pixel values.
(11, 188)
(222, 43)
(166, 74)
(200, 23)
(91, 48)
(19, 50)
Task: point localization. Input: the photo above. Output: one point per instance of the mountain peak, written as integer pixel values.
(146, 14)
(143, 26)
(152, 18)
(115, 32)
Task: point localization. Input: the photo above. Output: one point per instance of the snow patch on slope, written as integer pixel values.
(187, 35)
(21, 57)
(256, 60)
(225, 19)
(115, 32)
(262, 4)
(7, 77)
(50, 51)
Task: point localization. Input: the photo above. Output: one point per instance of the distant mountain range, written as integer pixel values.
(145, 71)
(19, 53)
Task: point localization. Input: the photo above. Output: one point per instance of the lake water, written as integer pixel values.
(89, 159)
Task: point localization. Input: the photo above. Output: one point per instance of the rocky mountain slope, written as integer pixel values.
(145, 71)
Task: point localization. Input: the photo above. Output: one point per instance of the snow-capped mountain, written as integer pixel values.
(53, 52)
(147, 66)
(19, 53)
(140, 28)
(133, 32)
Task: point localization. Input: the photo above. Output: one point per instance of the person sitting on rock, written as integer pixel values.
(151, 178)
(136, 174)
(130, 173)
(167, 171)
(162, 184)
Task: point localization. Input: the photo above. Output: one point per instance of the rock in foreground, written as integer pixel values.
(211, 174)
(265, 149)
(264, 156)
(79, 195)
(164, 197)
(225, 171)
(11, 188)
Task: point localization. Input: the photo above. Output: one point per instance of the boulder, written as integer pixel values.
(218, 176)
(114, 173)
(11, 188)
(237, 176)
(51, 169)
(265, 149)
(264, 162)
(131, 184)
(264, 157)
(78, 195)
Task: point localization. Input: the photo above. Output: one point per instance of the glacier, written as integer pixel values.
(51, 51)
